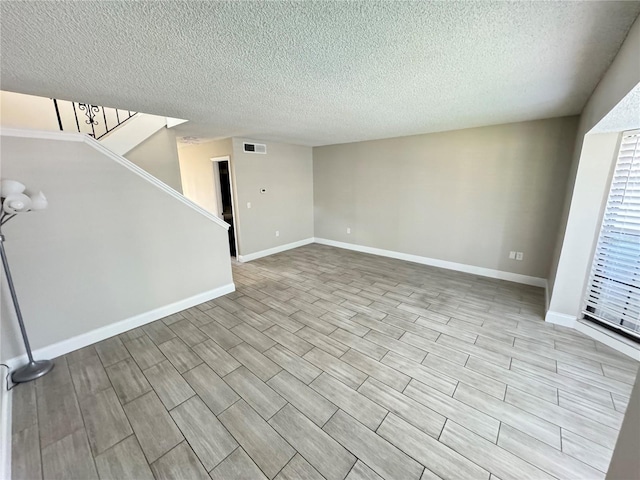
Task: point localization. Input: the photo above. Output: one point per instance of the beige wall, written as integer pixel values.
(110, 246)
(286, 171)
(587, 186)
(28, 111)
(158, 155)
(466, 196)
(196, 171)
(625, 462)
(136, 130)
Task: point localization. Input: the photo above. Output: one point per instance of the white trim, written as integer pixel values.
(151, 179)
(102, 333)
(42, 134)
(81, 137)
(601, 334)
(271, 251)
(5, 433)
(434, 262)
(560, 319)
(609, 338)
(174, 122)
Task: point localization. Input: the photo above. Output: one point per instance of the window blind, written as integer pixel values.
(613, 291)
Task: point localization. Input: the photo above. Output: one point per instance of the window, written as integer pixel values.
(613, 291)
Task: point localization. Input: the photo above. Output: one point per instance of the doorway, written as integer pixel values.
(224, 193)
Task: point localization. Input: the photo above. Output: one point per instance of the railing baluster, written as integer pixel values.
(75, 113)
(104, 115)
(90, 112)
(55, 104)
(93, 130)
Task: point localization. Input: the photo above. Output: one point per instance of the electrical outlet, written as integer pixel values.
(248, 204)
(512, 255)
(348, 230)
(519, 255)
(277, 233)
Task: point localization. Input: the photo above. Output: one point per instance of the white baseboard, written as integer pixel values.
(434, 262)
(274, 250)
(609, 338)
(5, 430)
(102, 333)
(560, 319)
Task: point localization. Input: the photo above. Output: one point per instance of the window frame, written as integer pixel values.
(589, 311)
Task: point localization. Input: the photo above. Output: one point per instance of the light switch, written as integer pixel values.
(512, 255)
(248, 204)
(519, 255)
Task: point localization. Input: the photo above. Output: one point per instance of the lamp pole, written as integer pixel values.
(33, 369)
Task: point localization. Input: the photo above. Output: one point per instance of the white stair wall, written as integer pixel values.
(133, 132)
(115, 249)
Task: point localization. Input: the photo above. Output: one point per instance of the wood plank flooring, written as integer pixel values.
(331, 364)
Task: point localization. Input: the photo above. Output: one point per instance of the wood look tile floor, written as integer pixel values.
(331, 364)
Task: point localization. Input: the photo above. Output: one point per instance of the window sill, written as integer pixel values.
(610, 338)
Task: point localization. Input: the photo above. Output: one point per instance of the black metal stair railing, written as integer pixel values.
(94, 120)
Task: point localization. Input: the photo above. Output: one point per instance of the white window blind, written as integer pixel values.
(613, 292)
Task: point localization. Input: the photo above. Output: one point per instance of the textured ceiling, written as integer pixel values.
(624, 116)
(316, 73)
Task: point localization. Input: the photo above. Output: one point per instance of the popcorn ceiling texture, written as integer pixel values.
(316, 73)
(625, 115)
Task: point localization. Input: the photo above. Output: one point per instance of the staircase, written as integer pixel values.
(118, 129)
(122, 248)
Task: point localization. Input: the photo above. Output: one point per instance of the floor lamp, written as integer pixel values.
(15, 200)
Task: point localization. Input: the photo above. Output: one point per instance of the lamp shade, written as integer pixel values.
(38, 201)
(9, 187)
(16, 203)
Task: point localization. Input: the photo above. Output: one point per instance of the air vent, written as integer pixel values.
(254, 147)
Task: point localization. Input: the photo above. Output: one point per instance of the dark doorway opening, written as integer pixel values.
(227, 203)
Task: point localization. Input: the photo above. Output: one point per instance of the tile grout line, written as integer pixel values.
(342, 270)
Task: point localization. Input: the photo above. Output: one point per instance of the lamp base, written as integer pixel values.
(31, 371)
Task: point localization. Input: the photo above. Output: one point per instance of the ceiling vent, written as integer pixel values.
(254, 147)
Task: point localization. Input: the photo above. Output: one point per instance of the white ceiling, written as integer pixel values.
(316, 73)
